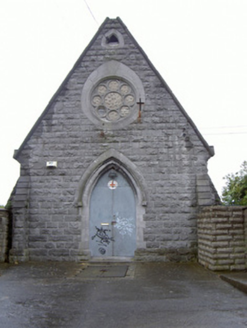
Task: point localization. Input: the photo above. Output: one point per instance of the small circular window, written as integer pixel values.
(113, 100)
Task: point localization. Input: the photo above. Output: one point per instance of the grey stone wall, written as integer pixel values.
(163, 147)
(222, 238)
(4, 230)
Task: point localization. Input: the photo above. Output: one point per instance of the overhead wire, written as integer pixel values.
(222, 132)
(225, 127)
(88, 7)
(220, 127)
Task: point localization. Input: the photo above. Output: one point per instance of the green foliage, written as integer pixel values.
(235, 191)
(8, 206)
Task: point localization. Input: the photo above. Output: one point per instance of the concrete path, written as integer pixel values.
(157, 295)
(236, 279)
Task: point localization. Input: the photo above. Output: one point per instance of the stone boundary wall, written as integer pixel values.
(222, 237)
(4, 227)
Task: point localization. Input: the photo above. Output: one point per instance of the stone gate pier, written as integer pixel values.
(4, 234)
(222, 237)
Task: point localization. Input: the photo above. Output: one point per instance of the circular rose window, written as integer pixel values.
(113, 100)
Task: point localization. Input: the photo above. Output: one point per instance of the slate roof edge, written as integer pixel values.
(210, 149)
(18, 151)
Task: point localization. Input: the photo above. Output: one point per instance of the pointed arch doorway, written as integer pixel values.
(112, 216)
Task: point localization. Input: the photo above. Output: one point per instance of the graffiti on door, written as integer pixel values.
(102, 237)
(124, 225)
(112, 223)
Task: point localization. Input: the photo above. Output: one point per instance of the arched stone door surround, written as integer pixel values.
(111, 159)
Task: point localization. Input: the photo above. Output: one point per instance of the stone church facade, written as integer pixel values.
(114, 167)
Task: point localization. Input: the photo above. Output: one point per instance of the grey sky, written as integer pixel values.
(198, 46)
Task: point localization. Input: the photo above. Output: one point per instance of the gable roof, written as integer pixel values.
(210, 149)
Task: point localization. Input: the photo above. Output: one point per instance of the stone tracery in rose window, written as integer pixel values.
(113, 100)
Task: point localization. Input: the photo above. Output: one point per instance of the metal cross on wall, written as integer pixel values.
(140, 103)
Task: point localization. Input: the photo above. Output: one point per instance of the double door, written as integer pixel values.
(112, 217)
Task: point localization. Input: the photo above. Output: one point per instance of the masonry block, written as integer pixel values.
(229, 250)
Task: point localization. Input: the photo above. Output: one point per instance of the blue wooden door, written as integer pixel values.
(112, 217)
